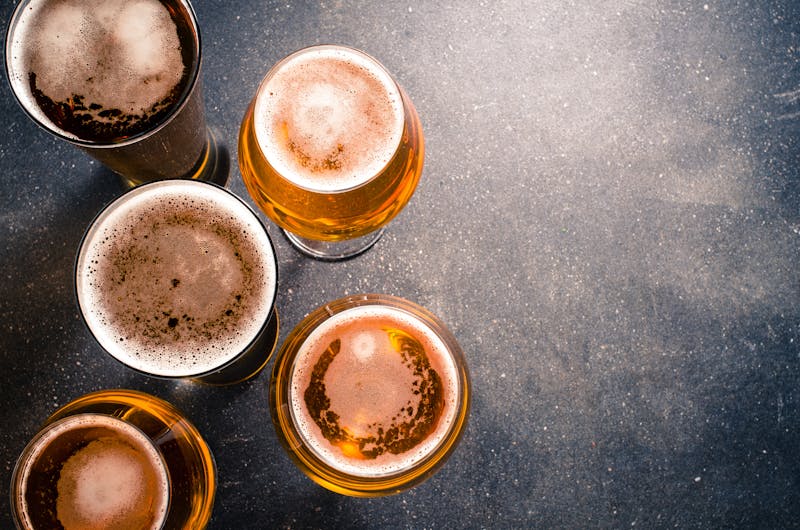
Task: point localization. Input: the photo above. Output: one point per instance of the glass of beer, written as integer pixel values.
(121, 80)
(114, 459)
(177, 279)
(369, 395)
(331, 149)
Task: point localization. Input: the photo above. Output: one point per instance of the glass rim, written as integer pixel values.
(404, 100)
(311, 462)
(268, 317)
(192, 85)
(25, 458)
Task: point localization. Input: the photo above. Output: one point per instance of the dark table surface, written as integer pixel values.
(608, 220)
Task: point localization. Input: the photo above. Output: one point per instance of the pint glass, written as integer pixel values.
(121, 80)
(369, 395)
(177, 279)
(331, 149)
(115, 459)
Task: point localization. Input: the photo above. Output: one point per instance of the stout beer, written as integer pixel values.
(177, 278)
(114, 459)
(331, 148)
(370, 393)
(119, 78)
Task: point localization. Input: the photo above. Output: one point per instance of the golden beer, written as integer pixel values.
(121, 80)
(370, 395)
(177, 279)
(114, 459)
(331, 147)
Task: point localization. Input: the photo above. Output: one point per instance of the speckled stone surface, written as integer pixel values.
(608, 220)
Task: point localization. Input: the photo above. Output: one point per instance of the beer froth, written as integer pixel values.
(99, 70)
(113, 477)
(178, 279)
(328, 119)
(373, 391)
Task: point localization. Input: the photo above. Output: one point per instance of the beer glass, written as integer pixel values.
(331, 149)
(369, 395)
(177, 279)
(117, 459)
(119, 79)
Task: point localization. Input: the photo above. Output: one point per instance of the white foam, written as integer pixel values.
(118, 54)
(102, 484)
(137, 30)
(365, 345)
(373, 402)
(195, 273)
(328, 118)
(117, 480)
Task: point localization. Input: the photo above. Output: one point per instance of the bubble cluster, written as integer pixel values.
(328, 119)
(112, 476)
(178, 279)
(105, 484)
(99, 69)
(373, 391)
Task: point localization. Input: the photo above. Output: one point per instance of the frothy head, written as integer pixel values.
(98, 70)
(110, 475)
(373, 391)
(328, 118)
(176, 278)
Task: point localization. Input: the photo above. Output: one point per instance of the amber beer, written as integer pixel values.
(118, 78)
(114, 459)
(370, 394)
(177, 279)
(331, 148)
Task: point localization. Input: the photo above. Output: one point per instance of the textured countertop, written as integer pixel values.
(608, 221)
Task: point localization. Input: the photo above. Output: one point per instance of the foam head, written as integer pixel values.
(97, 69)
(110, 475)
(373, 391)
(176, 278)
(328, 118)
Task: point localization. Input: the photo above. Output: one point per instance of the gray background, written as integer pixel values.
(608, 220)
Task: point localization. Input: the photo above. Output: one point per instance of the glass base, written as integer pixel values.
(214, 165)
(334, 250)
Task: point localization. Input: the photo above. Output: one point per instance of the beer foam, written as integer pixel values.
(105, 484)
(328, 118)
(177, 278)
(391, 410)
(116, 480)
(108, 61)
